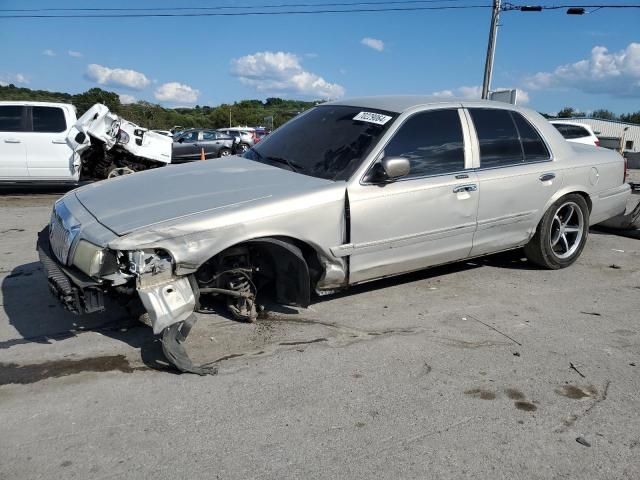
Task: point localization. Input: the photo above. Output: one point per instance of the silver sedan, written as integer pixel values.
(345, 193)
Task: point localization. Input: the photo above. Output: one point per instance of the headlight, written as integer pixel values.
(88, 258)
(123, 137)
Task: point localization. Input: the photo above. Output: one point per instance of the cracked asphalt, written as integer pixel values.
(483, 369)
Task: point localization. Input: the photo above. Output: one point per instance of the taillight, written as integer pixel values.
(597, 142)
(624, 178)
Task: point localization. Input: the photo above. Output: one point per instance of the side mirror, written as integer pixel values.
(395, 167)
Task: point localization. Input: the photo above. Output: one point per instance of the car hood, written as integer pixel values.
(131, 202)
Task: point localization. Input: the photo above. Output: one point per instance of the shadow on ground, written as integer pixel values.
(38, 317)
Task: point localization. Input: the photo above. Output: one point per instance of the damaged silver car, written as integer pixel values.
(347, 192)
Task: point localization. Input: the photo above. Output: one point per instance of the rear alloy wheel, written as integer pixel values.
(243, 147)
(225, 152)
(561, 234)
(119, 171)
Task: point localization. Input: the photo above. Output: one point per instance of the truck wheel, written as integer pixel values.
(119, 171)
(561, 234)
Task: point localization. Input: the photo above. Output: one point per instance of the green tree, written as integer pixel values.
(604, 114)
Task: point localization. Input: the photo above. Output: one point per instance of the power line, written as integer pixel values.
(230, 7)
(253, 13)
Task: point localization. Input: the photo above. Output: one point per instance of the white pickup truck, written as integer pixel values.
(44, 143)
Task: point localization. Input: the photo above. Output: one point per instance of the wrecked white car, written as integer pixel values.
(345, 193)
(44, 143)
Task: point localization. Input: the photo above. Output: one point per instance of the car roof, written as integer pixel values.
(36, 104)
(402, 103)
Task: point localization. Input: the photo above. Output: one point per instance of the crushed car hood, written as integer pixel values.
(132, 202)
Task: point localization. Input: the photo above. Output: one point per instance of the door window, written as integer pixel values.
(432, 141)
(48, 119)
(208, 135)
(498, 137)
(12, 118)
(533, 146)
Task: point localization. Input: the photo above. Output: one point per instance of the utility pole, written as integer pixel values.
(491, 49)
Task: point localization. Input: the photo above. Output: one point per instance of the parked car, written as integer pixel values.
(188, 146)
(576, 132)
(44, 143)
(346, 193)
(261, 133)
(245, 137)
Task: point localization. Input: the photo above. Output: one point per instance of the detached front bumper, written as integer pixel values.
(77, 292)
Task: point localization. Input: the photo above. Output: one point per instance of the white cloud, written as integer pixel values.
(176, 92)
(19, 78)
(282, 73)
(73, 53)
(49, 53)
(117, 77)
(126, 99)
(373, 43)
(476, 92)
(615, 73)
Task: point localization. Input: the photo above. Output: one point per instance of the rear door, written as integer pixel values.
(48, 154)
(516, 178)
(423, 219)
(13, 152)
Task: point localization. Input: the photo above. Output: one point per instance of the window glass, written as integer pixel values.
(628, 145)
(208, 135)
(11, 118)
(571, 131)
(498, 137)
(532, 144)
(328, 141)
(432, 141)
(48, 119)
(190, 136)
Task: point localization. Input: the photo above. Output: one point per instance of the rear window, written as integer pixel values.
(571, 131)
(48, 119)
(11, 118)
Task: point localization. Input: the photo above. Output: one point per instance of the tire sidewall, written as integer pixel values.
(545, 231)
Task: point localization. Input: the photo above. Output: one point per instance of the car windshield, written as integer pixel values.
(329, 141)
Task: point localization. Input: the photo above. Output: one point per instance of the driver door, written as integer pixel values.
(427, 217)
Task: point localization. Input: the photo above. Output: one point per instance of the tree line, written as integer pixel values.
(150, 115)
(570, 112)
(245, 112)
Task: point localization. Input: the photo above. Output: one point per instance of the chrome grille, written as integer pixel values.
(63, 229)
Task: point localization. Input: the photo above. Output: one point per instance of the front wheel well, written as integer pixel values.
(287, 266)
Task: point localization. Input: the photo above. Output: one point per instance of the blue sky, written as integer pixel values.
(589, 61)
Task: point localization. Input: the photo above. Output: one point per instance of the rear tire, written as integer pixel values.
(225, 152)
(561, 234)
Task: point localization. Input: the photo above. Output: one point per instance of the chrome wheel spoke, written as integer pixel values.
(565, 242)
(570, 212)
(570, 229)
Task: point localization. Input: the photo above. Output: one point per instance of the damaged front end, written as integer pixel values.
(81, 277)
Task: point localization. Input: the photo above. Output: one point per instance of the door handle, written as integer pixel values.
(11, 140)
(545, 177)
(59, 141)
(472, 187)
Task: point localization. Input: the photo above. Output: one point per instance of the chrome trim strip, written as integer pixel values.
(395, 242)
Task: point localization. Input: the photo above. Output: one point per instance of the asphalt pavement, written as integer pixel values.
(489, 368)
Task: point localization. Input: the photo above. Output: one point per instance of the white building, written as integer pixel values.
(611, 132)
